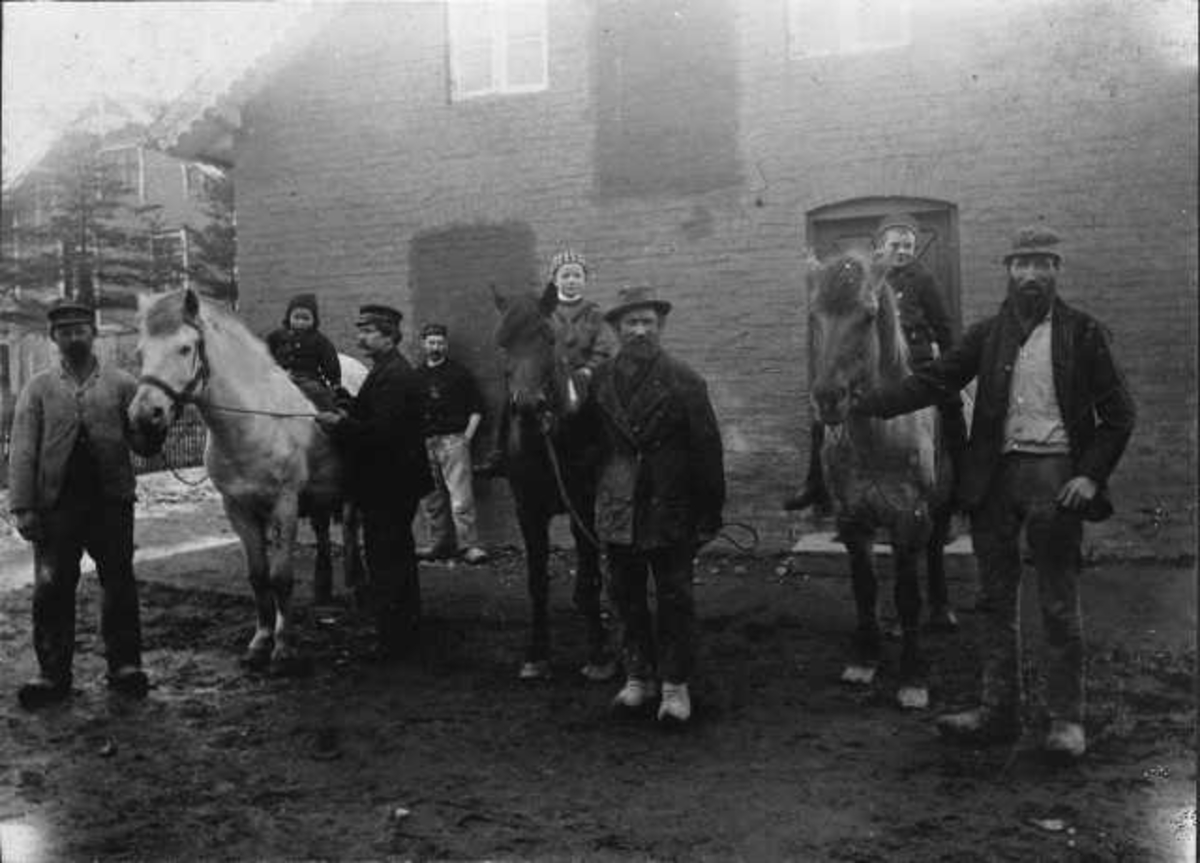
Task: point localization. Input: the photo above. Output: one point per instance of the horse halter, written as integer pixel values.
(199, 378)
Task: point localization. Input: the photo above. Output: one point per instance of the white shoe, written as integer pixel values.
(676, 703)
(636, 693)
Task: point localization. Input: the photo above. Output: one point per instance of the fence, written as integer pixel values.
(184, 446)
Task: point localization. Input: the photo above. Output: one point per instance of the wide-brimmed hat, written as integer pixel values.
(636, 297)
(1035, 240)
(70, 312)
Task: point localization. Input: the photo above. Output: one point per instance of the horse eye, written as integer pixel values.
(184, 350)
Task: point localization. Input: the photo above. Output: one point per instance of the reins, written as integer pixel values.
(576, 519)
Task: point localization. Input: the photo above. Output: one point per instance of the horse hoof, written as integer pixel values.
(538, 669)
(913, 697)
(860, 675)
(599, 672)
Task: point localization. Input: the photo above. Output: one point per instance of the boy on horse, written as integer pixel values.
(306, 353)
(580, 327)
(928, 333)
(1052, 417)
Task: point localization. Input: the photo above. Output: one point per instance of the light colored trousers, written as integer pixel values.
(450, 508)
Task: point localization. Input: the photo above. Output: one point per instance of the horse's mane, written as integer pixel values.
(522, 318)
(165, 315)
(848, 282)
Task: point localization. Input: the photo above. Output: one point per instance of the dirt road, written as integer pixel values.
(449, 756)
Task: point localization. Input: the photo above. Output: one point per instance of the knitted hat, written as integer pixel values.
(66, 311)
(560, 259)
(1034, 240)
(897, 221)
(302, 301)
(636, 297)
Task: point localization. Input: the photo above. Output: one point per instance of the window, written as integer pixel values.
(199, 180)
(170, 252)
(823, 27)
(496, 46)
(128, 169)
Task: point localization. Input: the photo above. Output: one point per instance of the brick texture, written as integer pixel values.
(1082, 114)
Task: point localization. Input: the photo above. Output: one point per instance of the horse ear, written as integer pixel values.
(191, 305)
(548, 301)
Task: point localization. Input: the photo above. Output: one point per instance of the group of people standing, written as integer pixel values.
(1052, 417)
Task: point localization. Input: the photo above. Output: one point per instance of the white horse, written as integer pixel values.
(263, 453)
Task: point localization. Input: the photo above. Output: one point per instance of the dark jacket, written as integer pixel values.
(383, 437)
(451, 396)
(306, 353)
(923, 315)
(1097, 408)
(662, 476)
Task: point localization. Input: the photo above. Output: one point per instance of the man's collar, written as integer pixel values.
(433, 365)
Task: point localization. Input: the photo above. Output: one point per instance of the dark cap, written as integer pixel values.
(1034, 240)
(70, 312)
(302, 301)
(434, 330)
(636, 297)
(376, 314)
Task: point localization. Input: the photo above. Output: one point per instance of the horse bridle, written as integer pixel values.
(200, 374)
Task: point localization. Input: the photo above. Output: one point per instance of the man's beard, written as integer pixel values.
(77, 353)
(1032, 301)
(639, 349)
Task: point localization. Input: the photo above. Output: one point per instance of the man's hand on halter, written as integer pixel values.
(328, 420)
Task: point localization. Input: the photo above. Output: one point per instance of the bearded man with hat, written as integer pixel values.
(1052, 417)
(659, 498)
(579, 327)
(382, 437)
(72, 490)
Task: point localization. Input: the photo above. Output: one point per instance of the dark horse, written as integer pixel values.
(892, 474)
(549, 454)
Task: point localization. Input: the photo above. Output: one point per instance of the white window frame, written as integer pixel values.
(851, 15)
(140, 185)
(498, 43)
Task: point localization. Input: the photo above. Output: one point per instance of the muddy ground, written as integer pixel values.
(449, 756)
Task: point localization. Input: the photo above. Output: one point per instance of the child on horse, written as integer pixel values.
(306, 353)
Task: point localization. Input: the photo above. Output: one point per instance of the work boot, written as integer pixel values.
(676, 705)
(811, 494)
(434, 552)
(1065, 739)
(981, 725)
(475, 555)
(42, 692)
(636, 694)
(129, 680)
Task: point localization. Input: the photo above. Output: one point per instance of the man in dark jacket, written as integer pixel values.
(928, 333)
(1052, 418)
(382, 437)
(72, 490)
(660, 494)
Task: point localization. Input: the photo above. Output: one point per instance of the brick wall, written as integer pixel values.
(1079, 113)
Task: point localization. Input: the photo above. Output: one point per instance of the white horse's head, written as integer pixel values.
(174, 368)
(854, 332)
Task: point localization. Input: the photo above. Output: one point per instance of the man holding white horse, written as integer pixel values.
(382, 437)
(1052, 417)
(72, 490)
